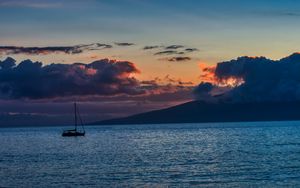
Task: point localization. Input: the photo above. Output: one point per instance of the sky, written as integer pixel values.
(150, 54)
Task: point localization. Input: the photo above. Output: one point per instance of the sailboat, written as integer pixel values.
(75, 132)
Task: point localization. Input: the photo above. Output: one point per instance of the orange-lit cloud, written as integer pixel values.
(208, 75)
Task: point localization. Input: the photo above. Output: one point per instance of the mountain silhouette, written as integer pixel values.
(202, 112)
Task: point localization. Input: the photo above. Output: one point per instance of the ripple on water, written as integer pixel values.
(210, 155)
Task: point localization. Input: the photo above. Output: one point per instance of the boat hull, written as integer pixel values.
(70, 134)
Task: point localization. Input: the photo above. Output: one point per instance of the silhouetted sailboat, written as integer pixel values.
(75, 132)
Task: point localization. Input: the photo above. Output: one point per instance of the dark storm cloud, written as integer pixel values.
(34, 81)
(124, 44)
(76, 49)
(260, 79)
(204, 87)
(202, 91)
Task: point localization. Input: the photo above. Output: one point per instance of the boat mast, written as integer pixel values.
(75, 111)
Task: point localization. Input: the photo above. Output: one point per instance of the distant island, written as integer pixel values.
(203, 112)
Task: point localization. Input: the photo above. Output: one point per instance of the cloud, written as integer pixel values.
(257, 79)
(54, 108)
(168, 52)
(13, 50)
(32, 80)
(173, 47)
(124, 44)
(202, 91)
(278, 13)
(95, 108)
(208, 73)
(171, 50)
(150, 47)
(100, 45)
(29, 4)
(84, 82)
(167, 89)
(191, 49)
(177, 59)
(292, 14)
(167, 81)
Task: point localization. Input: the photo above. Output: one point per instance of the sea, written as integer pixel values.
(254, 154)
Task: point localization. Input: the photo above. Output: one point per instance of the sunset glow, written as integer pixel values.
(149, 93)
(148, 54)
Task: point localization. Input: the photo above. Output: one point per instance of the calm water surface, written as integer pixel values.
(183, 155)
